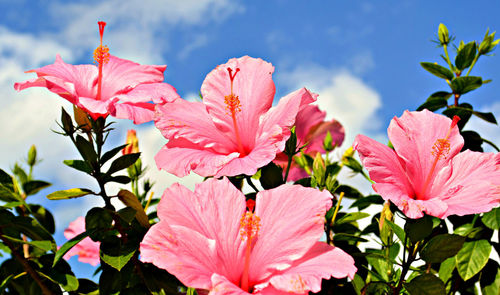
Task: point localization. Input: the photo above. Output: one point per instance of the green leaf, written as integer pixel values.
(434, 103)
(5, 178)
(465, 56)
(425, 284)
(32, 229)
(67, 123)
(472, 141)
(441, 247)
(97, 221)
(79, 165)
(123, 179)
(111, 153)
(43, 245)
(490, 279)
(69, 194)
(350, 217)
(400, 233)
(115, 254)
(418, 229)
(367, 201)
(462, 85)
(446, 269)
(349, 192)
(492, 219)
(67, 281)
(380, 264)
(43, 216)
(472, 258)
(86, 149)
(123, 162)
(271, 176)
(438, 70)
(488, 117)
(8, 195)
(67, 246)
(34, 186)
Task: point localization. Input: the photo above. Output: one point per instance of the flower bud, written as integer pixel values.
(133, 143)
(32, 156)
(82, 119)
(385, 230)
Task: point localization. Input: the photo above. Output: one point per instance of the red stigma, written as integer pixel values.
(101, 28)
(231, 76)
(455, 121)
(250, 205)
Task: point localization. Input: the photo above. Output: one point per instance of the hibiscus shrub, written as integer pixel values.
(272, 216)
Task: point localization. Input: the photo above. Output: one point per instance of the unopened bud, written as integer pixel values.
(132, 143)
(32, 156)
(82, 119)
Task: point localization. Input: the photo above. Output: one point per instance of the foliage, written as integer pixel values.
(412, 256)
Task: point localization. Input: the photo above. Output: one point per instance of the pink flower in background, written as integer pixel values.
(208, 240)
(426, 172)
(234, 130)
(311, 129)
(116, 86)
(87, 250)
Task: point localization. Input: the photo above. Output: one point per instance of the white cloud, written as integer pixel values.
(134, 25)
(342, 95)
(197, 41)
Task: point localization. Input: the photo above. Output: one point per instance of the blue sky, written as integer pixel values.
(362, 57)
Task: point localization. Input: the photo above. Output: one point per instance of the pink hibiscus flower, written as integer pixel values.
(208, 240)
(87, 250)
(426, 172)
(311, 129)
(116, 86)
(234, 130)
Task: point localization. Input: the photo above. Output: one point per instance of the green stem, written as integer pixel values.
(250, 183)
(290, 157)
(27, 266)
(472, 65)
(445, 47)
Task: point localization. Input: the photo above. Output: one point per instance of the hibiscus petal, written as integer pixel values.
(121, 75)
(222, 286)
(385, 169)
(183, 252)
(190, 120)
(67, 80)
(292, 220)
(180, 157)
(156, 92)
(308, 117)
(317, 134)
(474, 185)
(214, 210)
(138, 112)
(95, 108)
(263, 153)
(321, 262)
(413, 137)
(253, 85)
(283, 115)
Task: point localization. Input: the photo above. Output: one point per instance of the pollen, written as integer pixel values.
(101, 54)
(441, 148)
(232, 104)
(249, 226)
